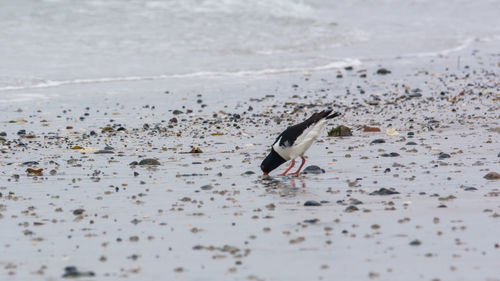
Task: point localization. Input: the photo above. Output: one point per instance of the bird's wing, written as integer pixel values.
(291, 134)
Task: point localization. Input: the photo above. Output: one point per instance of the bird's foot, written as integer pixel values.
(282, 175)
(296, 174)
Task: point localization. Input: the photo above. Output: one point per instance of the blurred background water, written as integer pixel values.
(56, 42)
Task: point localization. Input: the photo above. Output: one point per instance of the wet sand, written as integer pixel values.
(211, 215)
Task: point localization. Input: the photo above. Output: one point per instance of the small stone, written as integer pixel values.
(312, 203)
(443, 156)
(249, 173)
(73, 272)
(371, 129)
(415, 242)
(392, 154)
(313, 169)
(340, 131)
(411, 143)
(177, 112)
(383, 71)
(351, 209)
(206, 187)
(149, 161)
(492, 176)
(107, 129)
(196, 150)
(470, 188)
(104, 151)
(78, 212)
(377, 141)
(384, 191)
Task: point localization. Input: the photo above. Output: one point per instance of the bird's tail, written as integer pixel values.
(335, 114)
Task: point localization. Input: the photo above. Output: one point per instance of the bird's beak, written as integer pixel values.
(265, 174)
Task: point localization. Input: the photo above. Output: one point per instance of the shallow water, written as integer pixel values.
(55, 42)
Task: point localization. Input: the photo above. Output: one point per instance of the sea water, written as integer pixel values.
(49, 43)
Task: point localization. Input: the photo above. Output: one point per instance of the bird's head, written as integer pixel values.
(272, 161)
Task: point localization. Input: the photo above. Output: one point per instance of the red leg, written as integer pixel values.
(300, 168)
(286, 171)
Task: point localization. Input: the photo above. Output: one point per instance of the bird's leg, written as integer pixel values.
(300, 168)
(286, 171)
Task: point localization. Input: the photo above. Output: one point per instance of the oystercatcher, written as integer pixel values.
(295, 141)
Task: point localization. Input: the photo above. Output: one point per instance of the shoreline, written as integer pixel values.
(100, 214)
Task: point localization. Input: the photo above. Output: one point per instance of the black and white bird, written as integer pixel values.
(295, 141)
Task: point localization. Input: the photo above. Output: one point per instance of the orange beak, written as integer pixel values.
(265, 174)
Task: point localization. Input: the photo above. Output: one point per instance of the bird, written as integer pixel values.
(295, 141)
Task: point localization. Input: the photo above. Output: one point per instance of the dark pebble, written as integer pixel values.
(21, 132)
(104, 151)
(415, 242)
(177, 112)
(73, 272)
(206, 187)
(30, 163)
(312, 203)
(383, 71)
(470, 188)
(134, 163)
(249, 173)
(351, 209)
(442, 206)
(149, 161)
(376, 141)
(392, 154)
(78, 212)
(384, 191)
(444, 156)
(3, 134)
(411, 143)
(313, 169)
(136, 174)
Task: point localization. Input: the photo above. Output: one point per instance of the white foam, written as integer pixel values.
(203, 74)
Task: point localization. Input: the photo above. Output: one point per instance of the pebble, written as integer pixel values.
(312, 203)
(384, 191)
(104, 151)
(377, 141)
(383, 71)
(411, 143)
(313, 169)
(351, 209)
(392, 154)
(78, 212)
(371, 129)
(73, 272)
(443, 156)
(340, 131)
(206, 187)
(492, 176)
(470, 188)
(249, 173)
(149, 161)
(415, 242)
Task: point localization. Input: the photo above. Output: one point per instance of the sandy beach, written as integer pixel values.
(411, 203)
